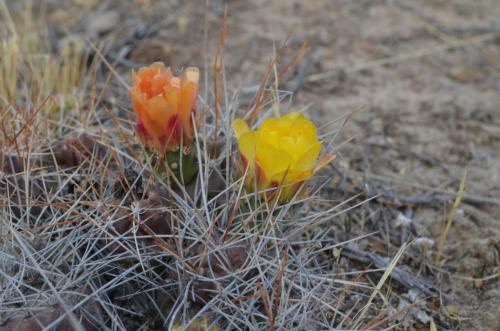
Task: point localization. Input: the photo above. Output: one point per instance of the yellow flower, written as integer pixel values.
(164, 104)
(281, 154)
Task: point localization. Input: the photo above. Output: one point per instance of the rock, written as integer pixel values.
(72, 151)
(152, 221)
(215, 266)
(89, 316)
(150, 51)
(11, 164)
(101, 22)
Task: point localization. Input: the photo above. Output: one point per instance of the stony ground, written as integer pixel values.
(422, 79)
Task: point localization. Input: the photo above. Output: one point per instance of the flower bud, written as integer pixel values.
(164, 105)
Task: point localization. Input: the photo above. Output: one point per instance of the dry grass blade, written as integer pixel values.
(451, 217)
(380, 284)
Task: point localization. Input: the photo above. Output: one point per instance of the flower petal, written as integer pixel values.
(187, 104)
(271, 159)
(246, 144)
(190, 75)
(240, 127)
(291, 176)
(164, 104)
(309, 158)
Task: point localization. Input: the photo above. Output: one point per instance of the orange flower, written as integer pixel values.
(164, 104)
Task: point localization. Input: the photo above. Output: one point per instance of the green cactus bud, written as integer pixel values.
(181, 163)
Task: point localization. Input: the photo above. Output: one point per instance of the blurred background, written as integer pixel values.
(420, 78)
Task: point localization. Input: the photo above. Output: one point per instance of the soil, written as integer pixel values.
(421, 80)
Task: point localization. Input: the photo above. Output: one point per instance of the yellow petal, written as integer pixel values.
(270, 132)
(306, 129)
(308, 159)
(291, 176)
(246, 144)
(240, 127)
(293, 115)
(272, 160)
(293, 120)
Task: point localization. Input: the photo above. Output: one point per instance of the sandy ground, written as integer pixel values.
(422, 78)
